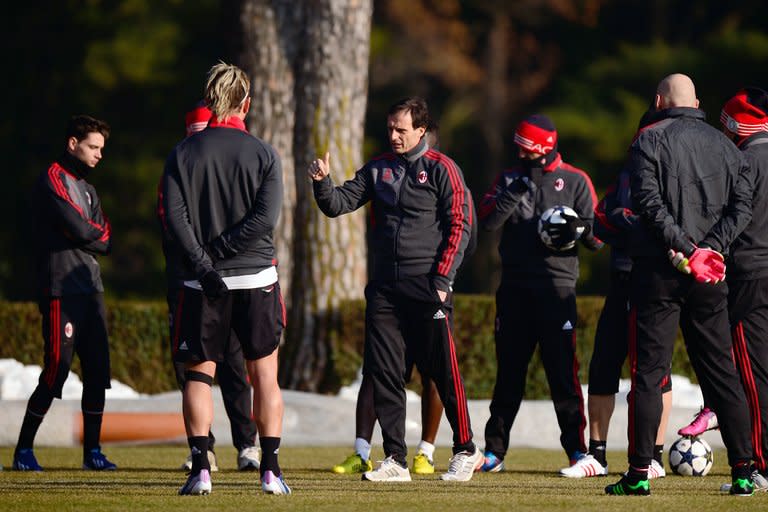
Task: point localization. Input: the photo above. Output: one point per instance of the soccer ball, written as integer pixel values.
(554, 216)
(690, 456)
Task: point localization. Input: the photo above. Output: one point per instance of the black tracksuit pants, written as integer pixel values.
(661, 300)
(232, 378)
(527, 316)
(400, 320)
(748, 307)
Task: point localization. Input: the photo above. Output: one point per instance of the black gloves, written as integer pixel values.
(564, 236)
(519, 185)
(213, 285)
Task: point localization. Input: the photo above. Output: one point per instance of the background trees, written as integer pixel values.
(482, 65)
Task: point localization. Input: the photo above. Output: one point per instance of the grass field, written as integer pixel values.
(147, 479)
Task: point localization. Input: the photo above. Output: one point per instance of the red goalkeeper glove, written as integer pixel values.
(707, 265)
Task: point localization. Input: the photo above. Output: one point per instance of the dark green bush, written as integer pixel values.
(141, 357)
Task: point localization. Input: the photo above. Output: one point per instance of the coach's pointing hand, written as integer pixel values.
(319, 169)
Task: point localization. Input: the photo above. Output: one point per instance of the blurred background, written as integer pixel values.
(483, 65)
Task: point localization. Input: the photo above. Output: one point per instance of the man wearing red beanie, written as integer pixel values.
(745, 121)
(536, 301)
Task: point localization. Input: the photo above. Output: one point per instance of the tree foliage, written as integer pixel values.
(483, 65)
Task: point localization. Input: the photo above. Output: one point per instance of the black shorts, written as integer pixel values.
(202, 327)
(75, 324)
(610, 350)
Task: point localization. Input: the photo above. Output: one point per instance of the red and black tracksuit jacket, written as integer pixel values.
(518, 207)
(71, 230)
(421, 213)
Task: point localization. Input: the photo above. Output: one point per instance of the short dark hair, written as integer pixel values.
(417, 107)
(80, 126)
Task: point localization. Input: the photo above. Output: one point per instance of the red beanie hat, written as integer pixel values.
(197, 118)
(536, 134)
(745, 113)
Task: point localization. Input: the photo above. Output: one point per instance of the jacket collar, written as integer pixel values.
(753, 140)
(230, 122)
(696, 113)
(417, 151)
(554, 164)
(73, 165)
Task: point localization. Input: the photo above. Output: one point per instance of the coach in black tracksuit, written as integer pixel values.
(536, 300)
(71, 229)
(689, 185)
(745, 119)
(421, 228)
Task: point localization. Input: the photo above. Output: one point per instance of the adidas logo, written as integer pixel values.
(183, 346)
(439, 315)
(195, 451)
(567, 326)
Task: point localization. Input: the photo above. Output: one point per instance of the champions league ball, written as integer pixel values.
(690, 456)
(548, 219)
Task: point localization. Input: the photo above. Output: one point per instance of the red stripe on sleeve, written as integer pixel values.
(457, 213)
(54, 174)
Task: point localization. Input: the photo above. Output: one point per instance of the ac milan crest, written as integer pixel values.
(68, 329)
(559, 184)
(422, 177)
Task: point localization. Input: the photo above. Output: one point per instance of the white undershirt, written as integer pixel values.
(264, 278)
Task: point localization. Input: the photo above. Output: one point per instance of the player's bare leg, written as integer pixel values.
(197, 404)
(268, 412)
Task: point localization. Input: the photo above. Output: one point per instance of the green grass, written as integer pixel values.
(148, 480)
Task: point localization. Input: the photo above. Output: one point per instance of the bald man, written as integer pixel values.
(691, 188)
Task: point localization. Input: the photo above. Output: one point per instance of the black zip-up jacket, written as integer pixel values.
(749, 252)
(516, 200)
(421, 215)
(71, 229)
(222, 191)
(690, 186)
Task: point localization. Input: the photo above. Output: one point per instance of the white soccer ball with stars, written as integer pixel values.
(690, 456)
(552, 216)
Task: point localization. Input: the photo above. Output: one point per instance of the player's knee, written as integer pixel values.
(194, 376)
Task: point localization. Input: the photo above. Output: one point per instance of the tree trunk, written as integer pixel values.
(271, 42)
(311, 60)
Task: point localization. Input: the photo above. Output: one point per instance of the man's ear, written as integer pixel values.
(658, 102)
(246, 106)
(72, 144)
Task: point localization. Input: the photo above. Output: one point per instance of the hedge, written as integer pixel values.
(141, 358)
